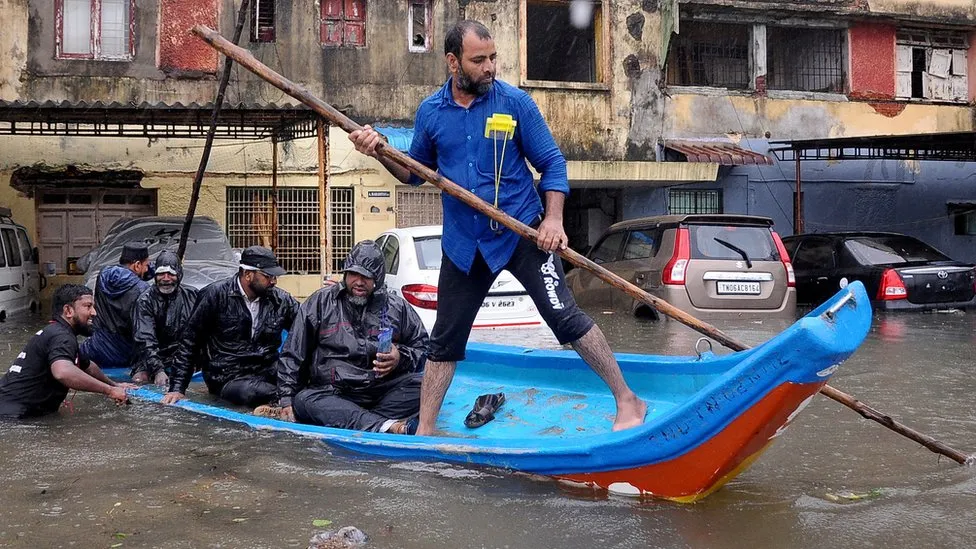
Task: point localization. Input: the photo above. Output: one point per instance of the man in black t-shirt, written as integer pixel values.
(39, 379)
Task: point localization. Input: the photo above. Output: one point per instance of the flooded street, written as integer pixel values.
(152, 476)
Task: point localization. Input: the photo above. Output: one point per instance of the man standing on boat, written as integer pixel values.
(237, 327)
(160, 315)
(39, 378)
(116, 290)
(456, 132)
(355, 355)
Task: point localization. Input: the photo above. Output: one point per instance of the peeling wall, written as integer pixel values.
(13, 47)
(748, 116)
(180, 51)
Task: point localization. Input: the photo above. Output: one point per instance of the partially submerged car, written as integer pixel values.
(703, 264)
(899, 271)
(209, 256)
(20, 280)
(413, 262)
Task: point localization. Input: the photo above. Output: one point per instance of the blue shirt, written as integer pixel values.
(451, 139)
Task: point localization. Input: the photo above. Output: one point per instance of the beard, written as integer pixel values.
(468, 85)
(166, 289)
(358, 300)
(81, 328)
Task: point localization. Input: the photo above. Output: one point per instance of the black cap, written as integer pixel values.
(134, 251)
(259, 258)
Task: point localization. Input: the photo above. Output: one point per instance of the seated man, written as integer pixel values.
(116, 290)
(236, 325)
(336, 344)
(38, 381)
(160, 315)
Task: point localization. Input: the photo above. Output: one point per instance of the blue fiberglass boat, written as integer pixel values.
(708, 417)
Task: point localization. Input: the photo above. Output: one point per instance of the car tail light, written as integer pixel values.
(892, 286)
(420, 295)
(674, 271)
(785, 258)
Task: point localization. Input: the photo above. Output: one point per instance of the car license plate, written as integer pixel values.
(747, 288)
(498, 303)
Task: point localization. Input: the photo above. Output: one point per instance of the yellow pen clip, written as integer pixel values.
(500, 125)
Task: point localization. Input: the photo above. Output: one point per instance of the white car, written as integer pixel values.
(413, 263)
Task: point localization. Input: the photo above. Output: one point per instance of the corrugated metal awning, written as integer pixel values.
(156, 120)
(718, 152)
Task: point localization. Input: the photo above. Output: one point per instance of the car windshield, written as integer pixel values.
(428, 252)
(885, 250)
(732, 242)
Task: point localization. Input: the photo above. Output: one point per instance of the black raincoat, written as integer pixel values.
(219, 331)
(334, 342)
(158, 321)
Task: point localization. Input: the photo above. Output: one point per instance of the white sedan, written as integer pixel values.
(413, 262)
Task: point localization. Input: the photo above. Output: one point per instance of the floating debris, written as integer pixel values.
(344, 538)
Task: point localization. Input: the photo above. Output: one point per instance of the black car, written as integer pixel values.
(899, 271)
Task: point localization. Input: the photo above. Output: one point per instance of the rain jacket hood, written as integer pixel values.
(114, 281)
(167, 258)
(366, 258)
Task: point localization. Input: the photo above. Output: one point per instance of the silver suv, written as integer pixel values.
(705, 264)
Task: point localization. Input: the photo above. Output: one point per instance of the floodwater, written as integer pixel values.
(152, 476)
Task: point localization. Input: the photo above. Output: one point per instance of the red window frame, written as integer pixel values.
(343, 23)
(95, 33)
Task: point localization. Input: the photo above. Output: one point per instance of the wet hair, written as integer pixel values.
(67, 295)
(455, 36)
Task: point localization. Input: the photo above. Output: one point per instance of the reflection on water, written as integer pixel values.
(150, 476)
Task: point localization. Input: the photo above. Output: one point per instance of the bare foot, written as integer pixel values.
(630, 413)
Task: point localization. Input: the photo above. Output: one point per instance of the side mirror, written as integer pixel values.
(35, 255)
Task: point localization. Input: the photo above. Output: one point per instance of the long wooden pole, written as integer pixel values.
(248, 61)
(325, 255)
(274, 192)
(214, 115)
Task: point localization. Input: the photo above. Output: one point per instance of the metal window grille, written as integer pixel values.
(710, 54)
(418, 206)
(556, 49)
(249, 223)
(263, 20)
(805, 59)
(684, 201)
(341, 208)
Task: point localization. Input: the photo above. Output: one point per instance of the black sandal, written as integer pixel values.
(484, 410)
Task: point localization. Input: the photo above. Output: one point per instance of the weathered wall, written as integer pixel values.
(13, 47)
(743, 115)
(872, 61)
(179, 51)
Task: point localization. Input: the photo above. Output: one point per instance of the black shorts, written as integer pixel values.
(459, 298)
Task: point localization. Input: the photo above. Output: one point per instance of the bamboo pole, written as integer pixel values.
(247, 60)
(208, 145)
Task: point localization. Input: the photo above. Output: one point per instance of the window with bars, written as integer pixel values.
(710, 54)
(95, 29)
(249, 223)
(262, 20)
(685, 201)
(417, 206)
(343, 23)
(805, 59)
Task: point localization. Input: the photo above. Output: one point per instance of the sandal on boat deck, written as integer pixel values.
(484, 409)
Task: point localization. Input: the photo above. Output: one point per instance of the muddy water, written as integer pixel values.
(150, 476)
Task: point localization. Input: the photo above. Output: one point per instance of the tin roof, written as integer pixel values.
(719, 152)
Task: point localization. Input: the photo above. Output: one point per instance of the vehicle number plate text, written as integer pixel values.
(747, 288)
(498, 304)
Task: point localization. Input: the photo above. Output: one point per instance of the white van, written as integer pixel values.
(20, 286)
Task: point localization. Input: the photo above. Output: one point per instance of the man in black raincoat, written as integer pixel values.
(159, 317)
(337, 345)
(116, 290)
(237, 327)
